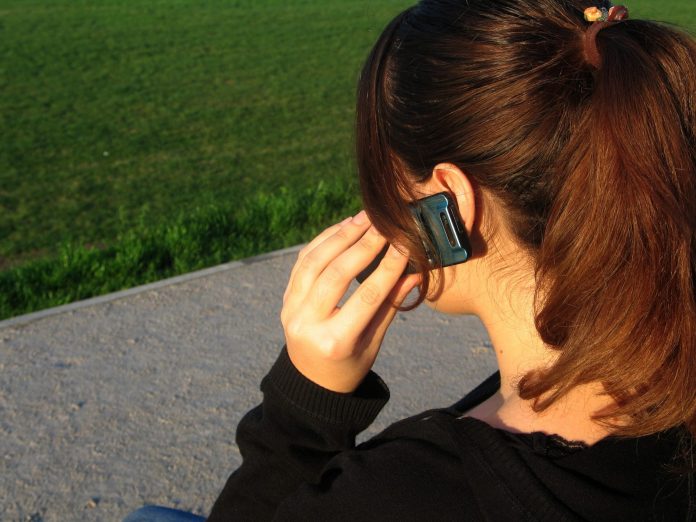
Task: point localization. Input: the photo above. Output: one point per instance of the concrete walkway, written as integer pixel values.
(133, 398)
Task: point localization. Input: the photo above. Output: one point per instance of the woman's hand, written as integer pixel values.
(336, 347)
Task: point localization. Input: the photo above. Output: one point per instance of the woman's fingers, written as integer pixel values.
(313, 262)
(334, 281)
(364, 305)
(327, 232)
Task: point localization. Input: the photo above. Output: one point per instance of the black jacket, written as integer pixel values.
(300, 463)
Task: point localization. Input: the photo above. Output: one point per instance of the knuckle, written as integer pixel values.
(319, 293)
(309, 261)
(284, 317)
(293, 328)
(391, 265)
(334, 273)
(369, 294)
(342, 233)
(302, 253)
(297, 285)
(330, 347)
(372, 231)
(371, 239)
(367, 243)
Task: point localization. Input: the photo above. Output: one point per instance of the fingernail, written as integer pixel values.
(346, 220)
(360, 218)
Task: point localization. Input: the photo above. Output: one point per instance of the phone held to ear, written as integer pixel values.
(438, 219)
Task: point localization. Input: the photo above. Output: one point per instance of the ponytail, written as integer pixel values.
(617, 265)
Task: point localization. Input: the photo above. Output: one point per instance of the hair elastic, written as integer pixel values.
(601, 17)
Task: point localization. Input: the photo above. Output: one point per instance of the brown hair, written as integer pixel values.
(595, 168)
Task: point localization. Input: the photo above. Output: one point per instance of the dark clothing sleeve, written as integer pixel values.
(289, 439)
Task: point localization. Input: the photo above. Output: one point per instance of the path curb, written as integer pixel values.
(56, 310)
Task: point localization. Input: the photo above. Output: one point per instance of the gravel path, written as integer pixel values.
(133, 399)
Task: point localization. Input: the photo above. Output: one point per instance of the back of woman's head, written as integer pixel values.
(593, 162)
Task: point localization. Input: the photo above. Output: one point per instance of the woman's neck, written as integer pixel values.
(509, 319)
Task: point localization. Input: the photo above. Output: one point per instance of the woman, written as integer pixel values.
(567, 137)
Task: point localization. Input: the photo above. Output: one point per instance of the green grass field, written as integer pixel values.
(109, 107)
(145, 139)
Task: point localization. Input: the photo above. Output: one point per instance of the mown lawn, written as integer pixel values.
(115, 108)
(146, 139)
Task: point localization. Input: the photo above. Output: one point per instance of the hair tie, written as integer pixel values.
(601, 17)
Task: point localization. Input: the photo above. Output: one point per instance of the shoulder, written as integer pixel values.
(409, 472)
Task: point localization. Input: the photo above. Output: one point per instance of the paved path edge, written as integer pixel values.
(48, 312)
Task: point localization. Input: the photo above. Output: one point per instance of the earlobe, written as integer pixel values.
(447, 177)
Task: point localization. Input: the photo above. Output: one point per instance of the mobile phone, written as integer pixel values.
(438, 220)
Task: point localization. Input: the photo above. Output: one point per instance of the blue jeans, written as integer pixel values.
(162, 514)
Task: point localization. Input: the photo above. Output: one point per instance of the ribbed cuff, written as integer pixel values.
(358, 408)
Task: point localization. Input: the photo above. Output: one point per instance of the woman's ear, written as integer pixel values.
(447, 177)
